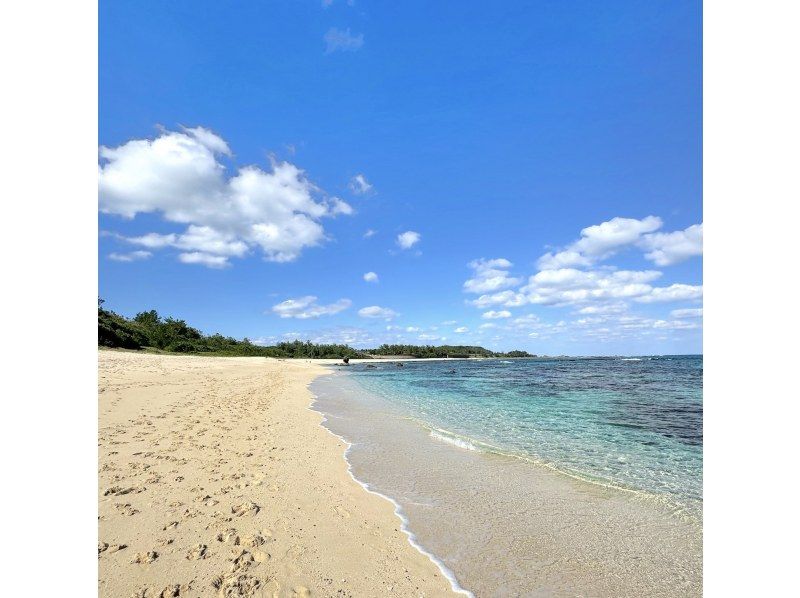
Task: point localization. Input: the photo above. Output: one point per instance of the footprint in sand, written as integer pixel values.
(126, 509)
(171, 591)
(242, 562)
(198, 552)
(244, 586)
(229, 536)
(110, 548)
(246, 508)
(253, 541)
(145, 558)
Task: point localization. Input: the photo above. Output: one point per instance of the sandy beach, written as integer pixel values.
(216, 479)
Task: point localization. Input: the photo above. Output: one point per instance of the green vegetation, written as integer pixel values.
(428, 351)
(149, 331)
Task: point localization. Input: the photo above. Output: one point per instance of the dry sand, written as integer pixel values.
(215, 479)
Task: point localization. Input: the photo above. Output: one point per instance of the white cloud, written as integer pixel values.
(304, 308)
(408, 239)
(153, 240)
(675, 292)
(178, 176)
(461, 330)
(506, 298)
(604, 308)
(413, 329)
(494, 315)
(449, 322)
(599, 242)
(371, 277)
(370, 233)
(196, 239)
(204, 259)
(430, 337)
(681, 314)
(377, 312)
(360, 185)
(338, 40)
(666, 249)
(490, 276)
(210, 140)
(563, 259)
(568, 286)
(130, 257)
(337, 207)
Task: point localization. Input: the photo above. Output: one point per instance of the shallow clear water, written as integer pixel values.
(636, 423)
(536, 477)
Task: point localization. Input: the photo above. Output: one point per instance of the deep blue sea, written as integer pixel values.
(634, 423)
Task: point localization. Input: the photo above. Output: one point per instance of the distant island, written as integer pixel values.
(149, 331)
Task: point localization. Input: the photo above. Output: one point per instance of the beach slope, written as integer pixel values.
(215, 479)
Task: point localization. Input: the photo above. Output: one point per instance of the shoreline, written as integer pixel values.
(217, 475)
(398, 509)
(558, 531)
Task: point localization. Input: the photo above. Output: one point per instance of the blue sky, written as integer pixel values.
(546, 154)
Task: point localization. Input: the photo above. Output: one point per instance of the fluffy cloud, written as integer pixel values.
(377, 312)
(360, 185)
(601, 295)
(599, 242)
(666, 249)
(494, 315)
(408, 239)
(490, 276)
(604, 308)
(461, 330)
(204, 259)
(370, 233)
(338, 40)
(675, 292)
(568, 286)
(371, 277)
(304, 308)
(337, 207)
(130, 257)
(506, 298)
(430, 337)
(179, 176)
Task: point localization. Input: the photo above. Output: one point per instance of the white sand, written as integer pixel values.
(215, 479)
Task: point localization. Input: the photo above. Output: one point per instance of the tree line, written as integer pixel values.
(149, 330)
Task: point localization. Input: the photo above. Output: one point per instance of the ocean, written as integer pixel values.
(535, 477)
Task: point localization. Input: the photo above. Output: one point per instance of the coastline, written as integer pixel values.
(398, 511)
(217, 477)
(559, 534)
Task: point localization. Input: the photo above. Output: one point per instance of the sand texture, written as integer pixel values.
(215, 479)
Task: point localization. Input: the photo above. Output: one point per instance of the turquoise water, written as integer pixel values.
(629, 423)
